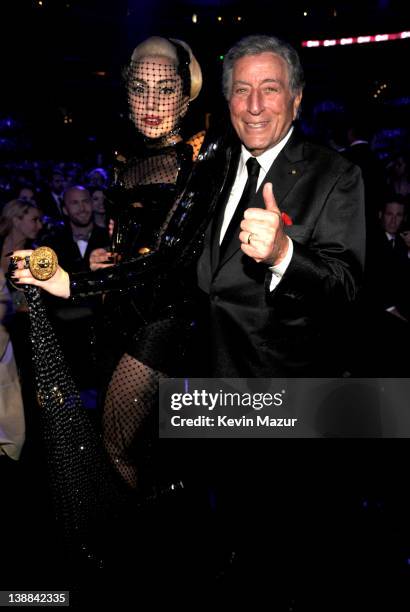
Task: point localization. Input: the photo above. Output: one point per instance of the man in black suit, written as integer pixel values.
(359, 152)
(51, 199)
(73, 243)
(389, 264)
(283, 257)
(278, 272)
(386, 297)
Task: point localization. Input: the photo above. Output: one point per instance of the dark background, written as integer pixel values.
(61, 61)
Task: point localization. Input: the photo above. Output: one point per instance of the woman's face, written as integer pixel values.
(29, 224)
(98, 201)
(27, 195)
(155, 96)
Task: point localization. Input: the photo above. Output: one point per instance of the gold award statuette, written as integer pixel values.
(43, 263)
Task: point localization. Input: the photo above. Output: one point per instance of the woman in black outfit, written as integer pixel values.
(162, 78)
(152, 320)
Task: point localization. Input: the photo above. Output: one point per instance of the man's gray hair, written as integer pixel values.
(260, 43)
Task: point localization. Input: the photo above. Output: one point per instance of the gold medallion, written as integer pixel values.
(43, 263)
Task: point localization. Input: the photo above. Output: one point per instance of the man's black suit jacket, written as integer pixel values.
(49, 206)
(388, 275)
(294, 329)
(68, 253)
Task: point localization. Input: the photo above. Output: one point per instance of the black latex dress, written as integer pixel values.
(150, 308)
(144, 191)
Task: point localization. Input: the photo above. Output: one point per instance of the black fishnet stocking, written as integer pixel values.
(128, 415)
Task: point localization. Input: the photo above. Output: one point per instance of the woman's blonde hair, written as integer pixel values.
(11, 210)
(156, 46)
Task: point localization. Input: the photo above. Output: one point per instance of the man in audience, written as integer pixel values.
(384, 332)
(51, 200)
(79, 236)
(73, 242)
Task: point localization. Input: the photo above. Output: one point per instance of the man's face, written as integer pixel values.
(57, 184)
(78, 207)
(262, 106)
(392, 217)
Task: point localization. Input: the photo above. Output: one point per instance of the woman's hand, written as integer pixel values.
(58, 284)
(99, 258)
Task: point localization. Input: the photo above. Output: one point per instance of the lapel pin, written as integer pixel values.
(293, 171)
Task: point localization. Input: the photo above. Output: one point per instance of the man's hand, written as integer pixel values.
(99, 259)
(262, 234)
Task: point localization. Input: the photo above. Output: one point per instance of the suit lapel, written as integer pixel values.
(215, 226)
(284, 173)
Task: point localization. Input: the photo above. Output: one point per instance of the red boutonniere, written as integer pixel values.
(286, 219)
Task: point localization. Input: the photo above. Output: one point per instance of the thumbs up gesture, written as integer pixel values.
(262, 236)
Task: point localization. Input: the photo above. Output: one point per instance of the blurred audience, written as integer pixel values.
(12, 422)
(97, 177)
(399, 175)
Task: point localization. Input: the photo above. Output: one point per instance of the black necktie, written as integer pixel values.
(248, 193)
(60, 204)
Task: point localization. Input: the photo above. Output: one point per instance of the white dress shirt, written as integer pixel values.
(82, 246)
(265, 160)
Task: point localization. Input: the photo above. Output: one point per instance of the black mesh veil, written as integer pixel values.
(157, 97)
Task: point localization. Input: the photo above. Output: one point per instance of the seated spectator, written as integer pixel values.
(12, 422)
(51, 199)
(20, 224)
(73, 175)
(384, 330)
(98, 177)
(359, 152)
(405, 235)
(26, 193)
(399, 175)
(73, 243)
(388, 265)
(99, 206)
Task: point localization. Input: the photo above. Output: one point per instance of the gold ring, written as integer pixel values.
(14, 259)
(43, 263)
(249, 237)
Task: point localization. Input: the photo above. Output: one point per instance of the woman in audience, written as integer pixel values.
(20, 224)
